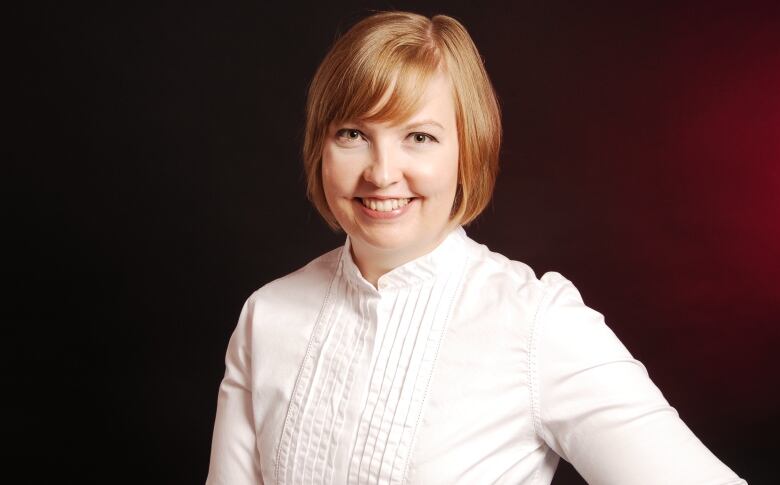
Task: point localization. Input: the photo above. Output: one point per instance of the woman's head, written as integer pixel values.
(379, 71)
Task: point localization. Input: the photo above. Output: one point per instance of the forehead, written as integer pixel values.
(433, 106)
(408, 99)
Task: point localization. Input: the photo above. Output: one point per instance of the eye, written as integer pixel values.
(422, 138)
(349, 134)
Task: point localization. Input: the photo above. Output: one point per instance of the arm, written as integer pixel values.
(234, 453)
(595, 405)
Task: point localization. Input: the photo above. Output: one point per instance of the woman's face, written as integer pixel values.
(391, 186)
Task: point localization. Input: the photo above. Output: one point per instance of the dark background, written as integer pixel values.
(153, 181)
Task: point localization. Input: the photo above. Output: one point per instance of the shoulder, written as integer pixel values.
(307, 284)
(507, 292)
(496, 270)
(550, 305)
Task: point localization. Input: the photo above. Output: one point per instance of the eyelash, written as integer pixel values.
(342, 134)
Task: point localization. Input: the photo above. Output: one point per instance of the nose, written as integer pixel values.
(384, 169)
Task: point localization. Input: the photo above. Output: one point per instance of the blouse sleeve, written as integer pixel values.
(234, 454)
(595, 405)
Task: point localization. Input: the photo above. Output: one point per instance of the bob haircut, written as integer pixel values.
(399, 52)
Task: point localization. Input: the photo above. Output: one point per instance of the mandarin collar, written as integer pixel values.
(414, 272)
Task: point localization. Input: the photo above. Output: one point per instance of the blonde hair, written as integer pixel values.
(401, 51)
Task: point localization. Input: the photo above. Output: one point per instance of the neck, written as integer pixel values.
(374, 262)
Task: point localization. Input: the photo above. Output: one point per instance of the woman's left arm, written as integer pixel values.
(596, 406)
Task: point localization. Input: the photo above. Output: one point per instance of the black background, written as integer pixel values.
(154, 181)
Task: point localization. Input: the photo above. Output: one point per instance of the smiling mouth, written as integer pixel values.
(384, 205)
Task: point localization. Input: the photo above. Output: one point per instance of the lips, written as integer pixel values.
(384, 209)
(385, 204)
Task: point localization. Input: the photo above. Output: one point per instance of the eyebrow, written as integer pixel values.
(415, 124)
(418, 124)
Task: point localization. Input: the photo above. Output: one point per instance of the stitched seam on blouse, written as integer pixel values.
(400, 376)
(304, 453)
(414, 386)
(303, 362)
(385, 378)
(329, 467)
(533, 363)
(445, 326)
(379, 345)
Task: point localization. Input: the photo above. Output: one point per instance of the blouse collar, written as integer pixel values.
(416, 271)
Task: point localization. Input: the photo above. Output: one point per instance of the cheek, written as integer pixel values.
(338, 179)
(330, 175)
(441, 177)
(331, 189)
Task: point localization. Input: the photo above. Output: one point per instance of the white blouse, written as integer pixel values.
(461, 368)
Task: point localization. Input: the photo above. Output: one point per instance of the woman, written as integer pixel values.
(413, 354)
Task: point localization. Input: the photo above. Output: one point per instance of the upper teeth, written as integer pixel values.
(384, 205)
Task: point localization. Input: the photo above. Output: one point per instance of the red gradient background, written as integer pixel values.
(155, 160)
(645, 144)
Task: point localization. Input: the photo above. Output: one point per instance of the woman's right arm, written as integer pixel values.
(234, 454)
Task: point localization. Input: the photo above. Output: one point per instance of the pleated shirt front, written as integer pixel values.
(363, 384)
(459, 367)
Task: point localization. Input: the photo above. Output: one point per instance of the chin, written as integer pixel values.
(386, 239)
